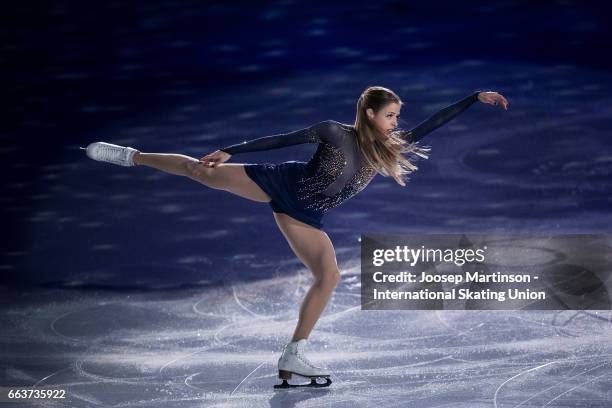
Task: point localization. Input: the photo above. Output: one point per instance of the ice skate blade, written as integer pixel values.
(313, 384)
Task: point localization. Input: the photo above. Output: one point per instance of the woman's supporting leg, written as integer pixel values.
(229, 177)
(316, 251)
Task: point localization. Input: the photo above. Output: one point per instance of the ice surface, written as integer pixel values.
(218, 346)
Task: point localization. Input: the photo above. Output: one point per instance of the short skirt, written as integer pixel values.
(280, 182)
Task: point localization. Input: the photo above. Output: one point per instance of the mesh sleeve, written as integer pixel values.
(440, 118)
(307, 135)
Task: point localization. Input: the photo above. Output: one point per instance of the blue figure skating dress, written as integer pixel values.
(336, 172)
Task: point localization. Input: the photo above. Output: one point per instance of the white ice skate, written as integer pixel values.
(110, 153)
(293, 361)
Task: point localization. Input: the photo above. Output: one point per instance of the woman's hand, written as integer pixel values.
(493, 98)
(213, 159)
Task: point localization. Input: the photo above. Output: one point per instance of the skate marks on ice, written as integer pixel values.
(219, 347)
(558, 389)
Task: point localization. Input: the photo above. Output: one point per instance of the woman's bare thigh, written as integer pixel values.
(230, 177)
(311, 245)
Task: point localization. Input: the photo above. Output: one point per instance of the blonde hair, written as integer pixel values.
(384, 153)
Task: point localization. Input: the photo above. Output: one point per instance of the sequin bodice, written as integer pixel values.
(337, 170)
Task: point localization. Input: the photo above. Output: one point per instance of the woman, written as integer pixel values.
(346, 160)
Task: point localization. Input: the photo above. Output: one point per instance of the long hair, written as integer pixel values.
(384, 153)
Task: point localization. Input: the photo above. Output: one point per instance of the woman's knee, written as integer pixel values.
(197, 171)
(329, 277)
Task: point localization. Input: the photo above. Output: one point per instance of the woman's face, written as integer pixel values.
(386, 118)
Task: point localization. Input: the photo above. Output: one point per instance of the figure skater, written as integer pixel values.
(300, 193)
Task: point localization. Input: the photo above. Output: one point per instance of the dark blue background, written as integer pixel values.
(191, 77)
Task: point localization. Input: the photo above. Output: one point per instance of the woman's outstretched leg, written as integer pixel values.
(177, 164)
(229, 177)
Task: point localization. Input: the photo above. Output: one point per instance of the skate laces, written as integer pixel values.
(302, 357)
(110, 152)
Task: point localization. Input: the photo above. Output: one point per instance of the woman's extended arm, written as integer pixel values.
(314, 134)
(306, 135)
(448, 113)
